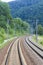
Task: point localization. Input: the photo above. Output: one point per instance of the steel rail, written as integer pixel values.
(21, 57)
(35, 45)
(38, 53)
(8, 53)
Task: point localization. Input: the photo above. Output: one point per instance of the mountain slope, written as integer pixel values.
(16, 5)
(27, 9)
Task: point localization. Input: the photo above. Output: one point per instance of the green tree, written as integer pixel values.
(4, 14)
(20, 25)
(40, 30)
(4, 9)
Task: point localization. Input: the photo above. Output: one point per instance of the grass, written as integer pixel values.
(16, 34)
(5, 43)
(40, 39)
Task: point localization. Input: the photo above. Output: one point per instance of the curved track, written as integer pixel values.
(20, 53)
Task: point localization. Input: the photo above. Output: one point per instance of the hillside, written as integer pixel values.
(27, 9)
(10, 27)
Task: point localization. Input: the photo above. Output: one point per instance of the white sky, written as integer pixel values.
(7, 0)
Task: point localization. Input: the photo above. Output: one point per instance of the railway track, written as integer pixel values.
(21, 52)
(14, 55)
(5, 62)
(35, 48)
(39, 47)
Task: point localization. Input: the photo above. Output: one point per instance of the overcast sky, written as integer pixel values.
(7, 0)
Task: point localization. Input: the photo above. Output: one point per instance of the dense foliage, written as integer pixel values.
(40, 30)
(4, 15)
(27, 10)
(8, 26)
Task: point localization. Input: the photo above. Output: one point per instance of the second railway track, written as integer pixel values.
(35, 48)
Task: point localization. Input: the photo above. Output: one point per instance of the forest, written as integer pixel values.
(9, 26)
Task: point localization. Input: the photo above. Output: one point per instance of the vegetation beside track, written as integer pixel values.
(10, 27)
(40, 39)
(6, 42)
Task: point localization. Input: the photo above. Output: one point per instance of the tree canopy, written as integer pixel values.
(40, 30)
(9, 25)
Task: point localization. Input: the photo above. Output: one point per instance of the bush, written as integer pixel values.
(40, 30)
